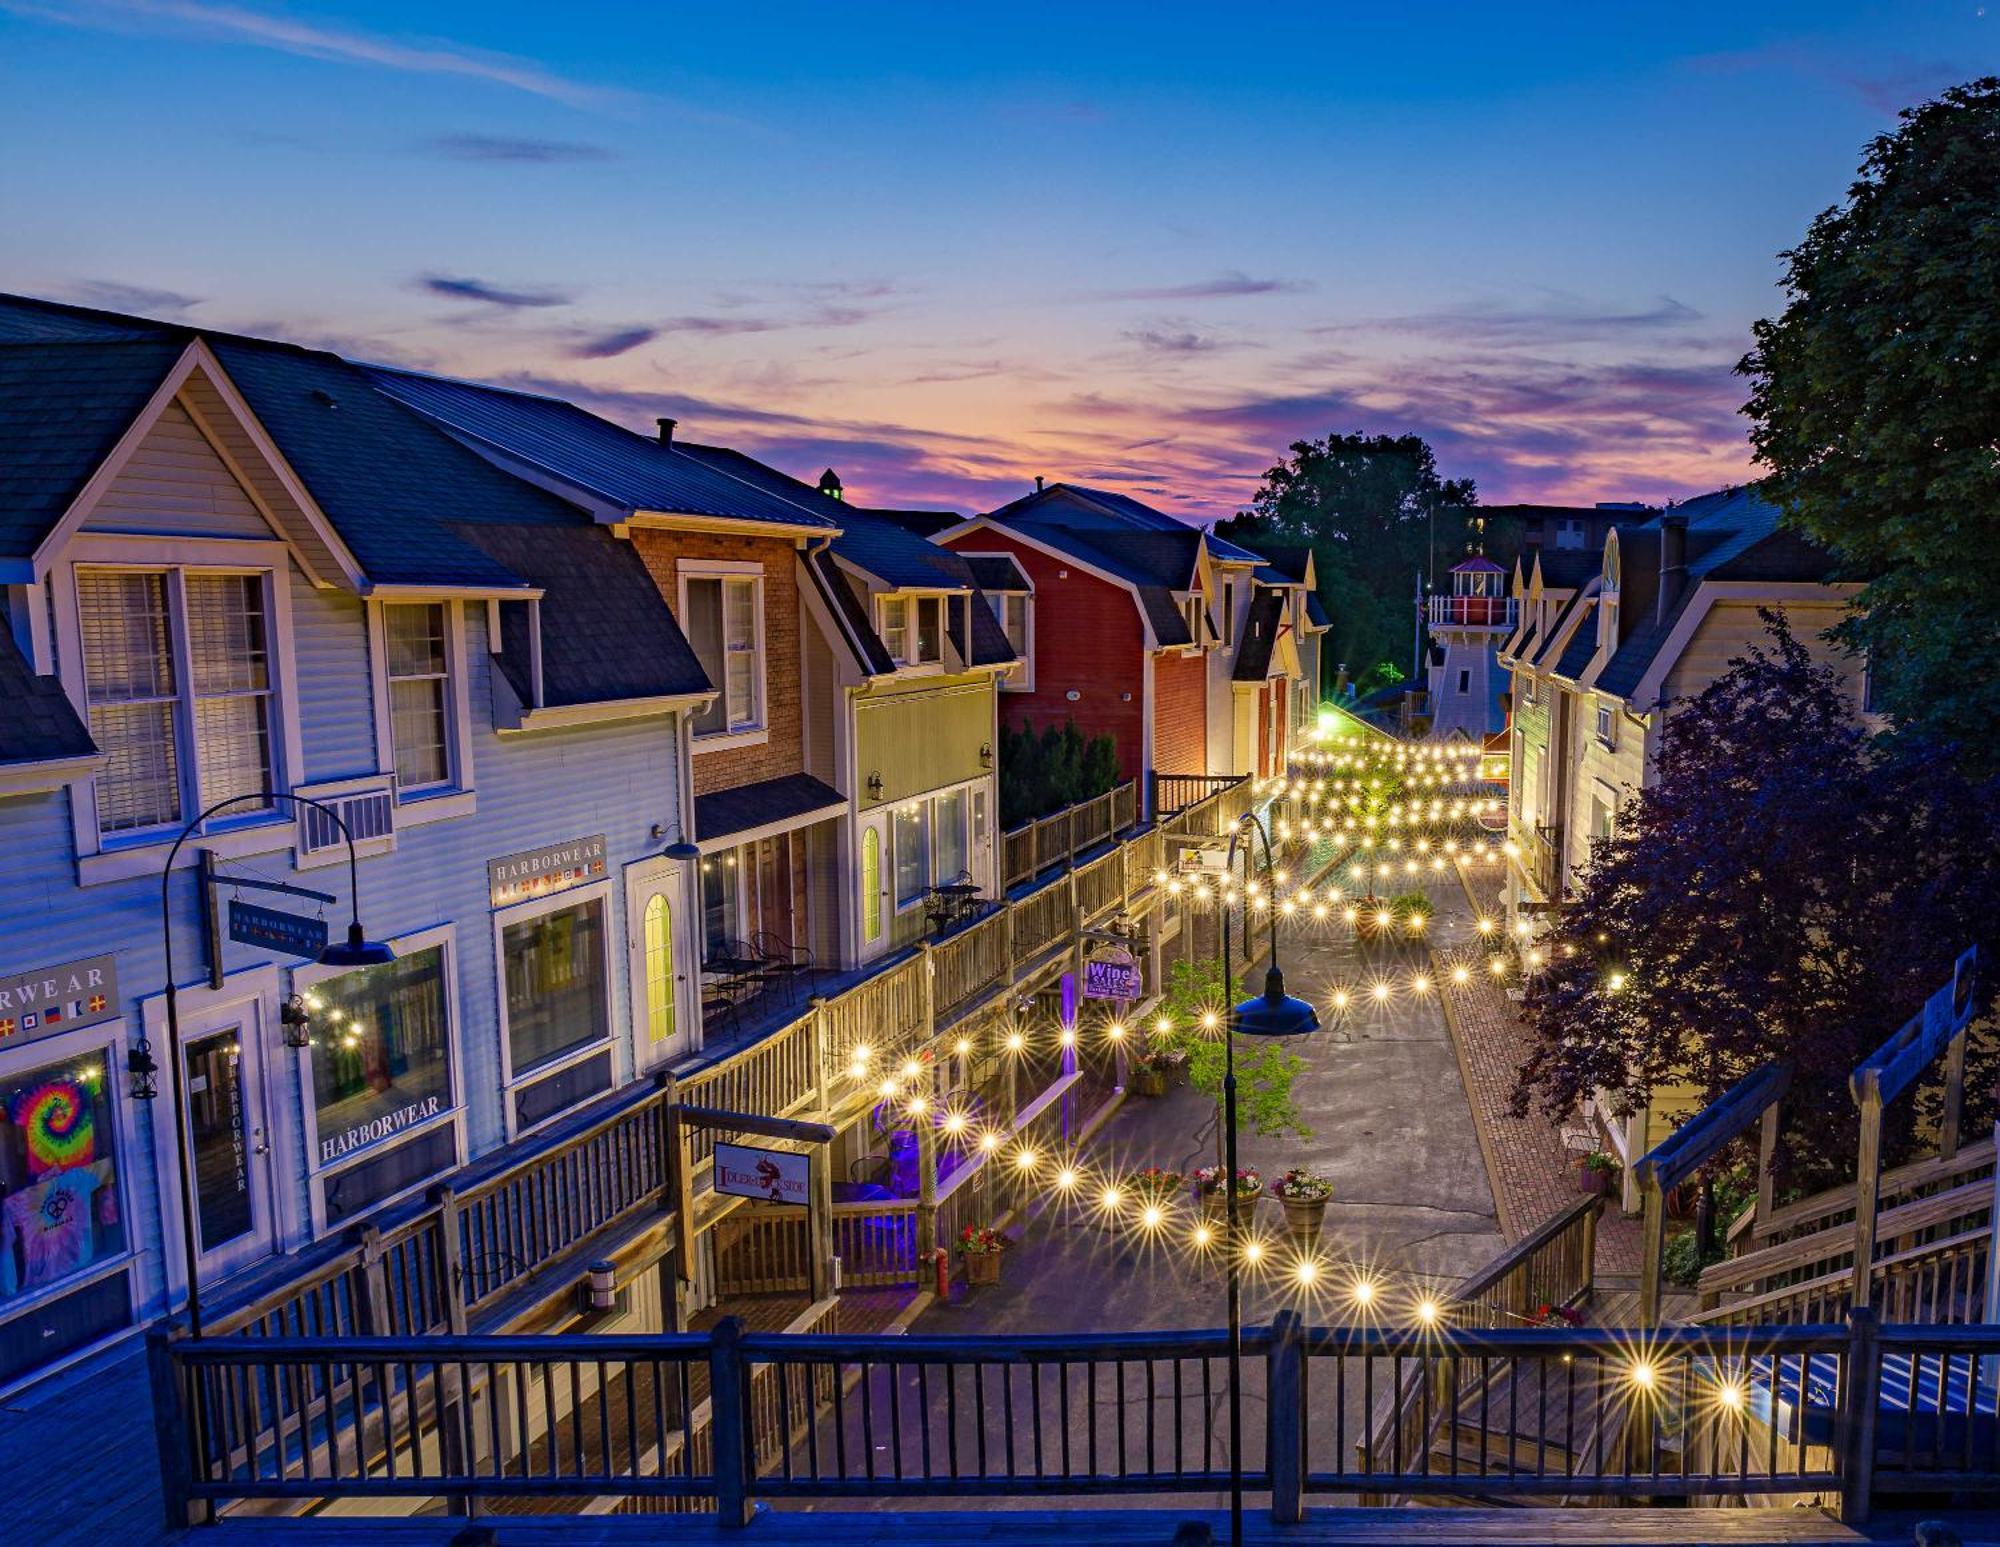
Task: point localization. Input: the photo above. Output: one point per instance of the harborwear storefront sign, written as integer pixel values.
(538, 872)
(377, 1128)
(53, 1000)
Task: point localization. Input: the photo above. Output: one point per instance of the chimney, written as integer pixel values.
(1038, 483)
(666, 430)
(1673, 562)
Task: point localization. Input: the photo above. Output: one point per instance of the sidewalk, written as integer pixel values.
(1531, 1169)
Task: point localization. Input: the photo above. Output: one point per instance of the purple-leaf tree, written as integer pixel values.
(1786, 887)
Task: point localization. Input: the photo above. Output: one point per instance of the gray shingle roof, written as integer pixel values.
(62, 408)
(722, 812)
(606, 635)
(838, 593)
(1260, 637)
(40, 723)
(617, 465)
(1568, 568)
(998, 572)
(1155, 564)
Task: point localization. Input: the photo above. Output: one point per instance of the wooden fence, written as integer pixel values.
(1057, 839)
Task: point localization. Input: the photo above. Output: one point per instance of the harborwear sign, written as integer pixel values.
(776, 1176)
(360, 1135)
(53, 1000)
(537, 872)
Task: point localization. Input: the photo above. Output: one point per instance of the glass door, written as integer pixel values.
(663, 1006)
(230, 1146)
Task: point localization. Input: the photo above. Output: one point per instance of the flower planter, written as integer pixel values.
(1303, 1219)
(1149, 1082)
(983, 1267)
(1593, 1183)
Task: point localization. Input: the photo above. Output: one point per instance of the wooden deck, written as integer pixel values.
(1115, 1528)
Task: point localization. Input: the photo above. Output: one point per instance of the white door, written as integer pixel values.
(665, 1013)
(228, 1138)
(982, 838)
(873, 907)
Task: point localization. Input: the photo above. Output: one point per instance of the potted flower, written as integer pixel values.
(982, 1248)
(1214, 1198)
(1305, 1195)
(1157, 1069)
(1596, 1172)
(1547, 1315)
(1155, 1184)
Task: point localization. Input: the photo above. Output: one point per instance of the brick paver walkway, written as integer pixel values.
(1531, 1168)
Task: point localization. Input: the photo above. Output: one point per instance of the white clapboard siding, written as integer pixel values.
(175, 483)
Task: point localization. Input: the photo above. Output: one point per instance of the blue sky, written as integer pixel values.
(945, 249)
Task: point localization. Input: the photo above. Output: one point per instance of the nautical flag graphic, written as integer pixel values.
(52, 1015)
(30, 1021)
(6, 1026)
(97, 1004)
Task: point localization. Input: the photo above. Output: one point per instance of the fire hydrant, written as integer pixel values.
(943, 1260)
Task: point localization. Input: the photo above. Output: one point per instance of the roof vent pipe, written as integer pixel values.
(666, 430)
(1038, 483)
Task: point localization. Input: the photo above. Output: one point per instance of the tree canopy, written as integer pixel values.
(1377, 515)
(1876, 395)
(1786, 888)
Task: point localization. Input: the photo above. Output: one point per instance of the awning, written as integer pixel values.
(725, 818)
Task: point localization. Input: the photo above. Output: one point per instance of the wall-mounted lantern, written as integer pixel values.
(876, 785)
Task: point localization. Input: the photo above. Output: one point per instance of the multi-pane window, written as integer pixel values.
(174, 662)
(1191, 610)
(722, 626)
(913, 629)
(419, 693)
(948, 819)
(1010, 610)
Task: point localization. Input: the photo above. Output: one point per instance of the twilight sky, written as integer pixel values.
(948, 247)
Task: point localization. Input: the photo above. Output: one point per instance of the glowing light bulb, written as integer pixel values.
(1116, 1031)
(989, 1142)
(1460, 975)
(911, 1068)
(1307, 1272)
(862, 1053)
(1152, 1217)
(1162, 1026)
(1067, 1178)
(1253, 1251)
(1731, 1395)
(1113, 1197)
(1203, 1235)
(1210, 1020)
(1015, 1042)
(1340, 997)
(1363, 1291)
(1641, 1375)
(1026, 1160)
(1427, 1311)
(954, 1123)
(963, 1046)
(1068, 1036)
(1381, 992)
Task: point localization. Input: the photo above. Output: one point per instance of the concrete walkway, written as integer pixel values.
(1389, 1124)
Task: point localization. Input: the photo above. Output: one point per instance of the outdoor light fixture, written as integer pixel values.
(876, 786)
(986, 754)
(598, 1293)
(295, 1022)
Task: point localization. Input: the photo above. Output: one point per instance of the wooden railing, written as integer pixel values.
(1056, 839)
(1576, 1413)
(967, 963)
(1942, 1283)
(1553, 1265)
(1825, 1252)
(433, 1264)
(1835, 1206)
(1173, 793)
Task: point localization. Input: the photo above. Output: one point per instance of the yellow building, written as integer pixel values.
(1604, 644)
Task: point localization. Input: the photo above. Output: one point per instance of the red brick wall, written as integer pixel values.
(1087, 641)
(783, 752)
(1180, 713)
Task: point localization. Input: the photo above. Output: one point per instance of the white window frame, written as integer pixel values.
(1607, 726)
(1194, 613)
(305, 978)
(125, 855)
(758, 731)
(111, 1038)
(927, 803)
(455, 797)
(910, 601)
(1022, 680)
(520, 913)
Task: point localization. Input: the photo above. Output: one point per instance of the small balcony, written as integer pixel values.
(1494, 612)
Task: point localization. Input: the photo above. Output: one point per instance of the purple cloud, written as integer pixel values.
(113, 295)
(1232, 282)
(607, 346)
(463, 289)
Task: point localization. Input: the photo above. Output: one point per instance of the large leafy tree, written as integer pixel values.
(1787, 888)
(1377, 515)
(1876, 397)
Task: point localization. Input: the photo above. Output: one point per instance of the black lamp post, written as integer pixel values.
(357, 950)
(1272, 1013)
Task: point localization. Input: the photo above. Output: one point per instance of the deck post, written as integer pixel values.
(677, 1197)
(1767, 1163)
(729, 1444)
(1862, 1397)
(452, 1421)
(451, 1262)
(170, 1426)
(1954, 1097)
(1284, 1407)
(1867, 1187)
(1652, 1245)
(372, 1306)
(926, 1240)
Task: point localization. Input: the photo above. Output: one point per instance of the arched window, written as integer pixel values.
(871, 885)
(656, 932)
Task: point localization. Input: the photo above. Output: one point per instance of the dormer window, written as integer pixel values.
(1191, 610)
(912, 629)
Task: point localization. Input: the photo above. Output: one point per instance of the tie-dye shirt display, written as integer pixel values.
(59, 1211)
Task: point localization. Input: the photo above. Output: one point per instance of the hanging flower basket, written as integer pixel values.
(1213, 1197)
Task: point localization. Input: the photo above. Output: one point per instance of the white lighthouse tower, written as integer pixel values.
(1467, 626)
